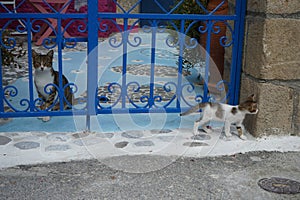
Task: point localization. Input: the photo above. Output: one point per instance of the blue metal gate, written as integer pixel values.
(172, 91)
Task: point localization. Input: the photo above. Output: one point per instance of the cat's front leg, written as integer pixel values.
(56, 107)
(227, 129)
(241, 129)
(51, 100)
(46, 119)
(43, 106)
(42, 102)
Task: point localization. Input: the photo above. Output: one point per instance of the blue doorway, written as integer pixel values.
(159, 6)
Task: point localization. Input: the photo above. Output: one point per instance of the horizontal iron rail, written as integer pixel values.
(140, 110)
(118, 15)
(168, 16)
(84, 112)
(40, 114)
(79, 39)
(42, 15)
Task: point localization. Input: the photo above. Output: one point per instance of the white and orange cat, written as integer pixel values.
(223, 112)
(44, 74)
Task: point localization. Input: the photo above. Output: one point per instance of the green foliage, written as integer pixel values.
(190, 7)
(8, 55)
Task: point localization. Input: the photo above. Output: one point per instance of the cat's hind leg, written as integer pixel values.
(201, 123)
(196, 126)
(206, 127)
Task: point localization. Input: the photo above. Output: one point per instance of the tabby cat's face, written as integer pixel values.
(250, 105)
(42, 62)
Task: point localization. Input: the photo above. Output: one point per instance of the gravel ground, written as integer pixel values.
(226, 177)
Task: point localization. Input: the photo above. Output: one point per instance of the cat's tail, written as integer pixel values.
(79, 100)
(193, 109)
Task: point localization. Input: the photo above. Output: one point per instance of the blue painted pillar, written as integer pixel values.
(237, 52)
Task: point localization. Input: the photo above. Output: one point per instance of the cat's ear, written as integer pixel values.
(34, 53)
(251, 97)
(50, 53)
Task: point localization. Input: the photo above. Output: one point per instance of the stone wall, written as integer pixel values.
(271, 66)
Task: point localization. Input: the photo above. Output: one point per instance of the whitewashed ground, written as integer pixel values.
(57, 147)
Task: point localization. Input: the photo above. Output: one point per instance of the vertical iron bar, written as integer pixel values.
(1, 86)
(59, 37)
(207, 60)
(152, 72)
(125, 38)
(92, 73)
(30, 71)
(181, 44)
(237, 52)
